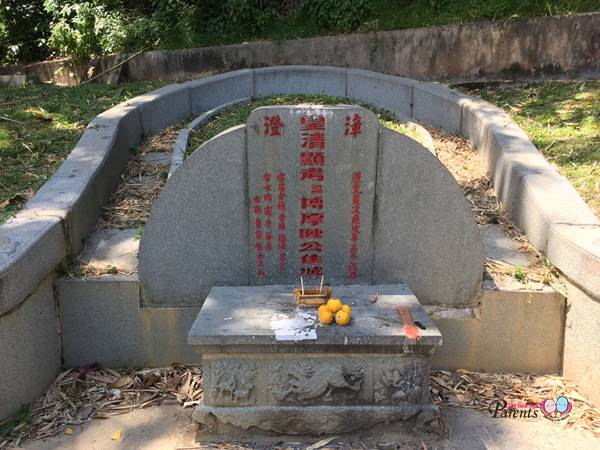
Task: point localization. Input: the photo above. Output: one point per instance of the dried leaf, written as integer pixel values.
(68, 431)
(488, 393)
(122, 382)
(321, 443)
(116, 436)
(463, 397)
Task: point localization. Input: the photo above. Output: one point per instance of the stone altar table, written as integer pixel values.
(269, 364)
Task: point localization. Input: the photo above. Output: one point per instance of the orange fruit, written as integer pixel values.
(342, 318)
(347, 309)
(334, 304)
(322, 308)
(325, 317)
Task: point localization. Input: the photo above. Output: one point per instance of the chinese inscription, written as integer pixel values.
(311, 182)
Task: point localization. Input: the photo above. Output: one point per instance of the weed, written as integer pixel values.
(520, 274)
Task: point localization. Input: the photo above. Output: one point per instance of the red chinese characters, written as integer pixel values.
(312, 175)
(353, 125)
(272, 125)
(268, 212)
(281, 226)
(260, 256)
(355, 225)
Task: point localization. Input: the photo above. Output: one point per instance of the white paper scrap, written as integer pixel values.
(299, 327)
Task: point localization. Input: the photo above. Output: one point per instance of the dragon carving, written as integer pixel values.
(307, 382)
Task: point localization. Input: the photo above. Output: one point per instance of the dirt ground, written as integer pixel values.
(170, 427)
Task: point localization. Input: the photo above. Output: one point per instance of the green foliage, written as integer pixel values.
(520, 274)
(238, 16)
(23, 30)
(32, 29)
(338, 15)
(85, 29)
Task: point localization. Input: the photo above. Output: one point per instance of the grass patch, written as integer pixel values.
(39, 126)
(563, 121)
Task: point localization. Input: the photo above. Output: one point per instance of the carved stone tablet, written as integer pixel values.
(311, 182)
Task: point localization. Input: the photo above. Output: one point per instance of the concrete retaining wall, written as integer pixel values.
(513, 49)
(61, 214)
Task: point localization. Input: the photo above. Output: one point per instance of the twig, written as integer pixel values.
(12, 120)
(116, 66)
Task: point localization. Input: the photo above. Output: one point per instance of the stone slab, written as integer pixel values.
(387, 92)
(437, 105)
(425, 233)
(477, 117)
(212, 92)
(127, 136)
(102, 322)
(241, 319)
(582, 342)
(343, 169)
(117, 248)
(30, 249)
(162, 107)
(203, 207)
(545, 199)
(498, 337)
(317, 80)
(509, 155)
(30, 356)
(500, 247)
(575, 250)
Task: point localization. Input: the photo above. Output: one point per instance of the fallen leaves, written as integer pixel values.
(79, 395)
(477, 390)
(140, 186)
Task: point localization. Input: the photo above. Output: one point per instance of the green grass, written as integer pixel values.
(44, 124)
(394, 15)
(563, 121)
(239, 115)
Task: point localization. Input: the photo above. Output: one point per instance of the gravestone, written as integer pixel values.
(311, 191)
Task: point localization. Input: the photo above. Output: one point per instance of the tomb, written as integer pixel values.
(270, 365)
(300, 195)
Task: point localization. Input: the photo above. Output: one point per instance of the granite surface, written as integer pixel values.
(247, 319)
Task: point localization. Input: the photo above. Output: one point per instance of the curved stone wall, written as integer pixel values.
(58, 218)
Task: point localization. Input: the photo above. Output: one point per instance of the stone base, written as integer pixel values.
(312, 419)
